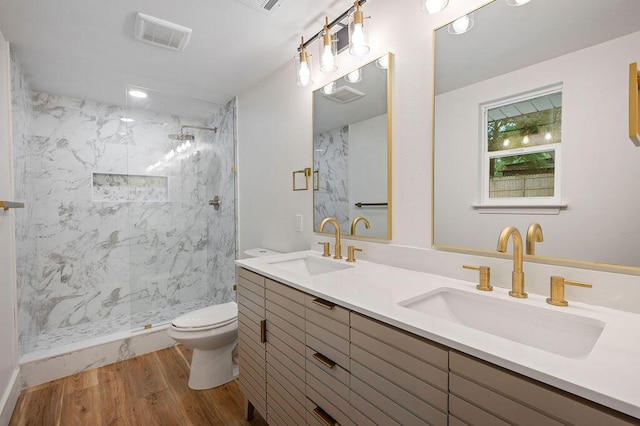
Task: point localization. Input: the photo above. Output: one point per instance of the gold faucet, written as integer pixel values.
(336, 225)
(517, 276)
(355, 222)
(534, 234)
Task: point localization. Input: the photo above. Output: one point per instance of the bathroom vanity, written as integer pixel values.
(324, 342)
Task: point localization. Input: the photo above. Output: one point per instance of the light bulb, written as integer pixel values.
(506, 143)
(433, 6)
(304, 74)
(547, 136)
(328, 61)
(137, 94)
(329, 89)
(383, 62)
(354, 76)
(357, 37)
(461, 25)
(525, 140)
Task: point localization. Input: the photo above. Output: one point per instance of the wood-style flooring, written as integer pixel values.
(147, 390)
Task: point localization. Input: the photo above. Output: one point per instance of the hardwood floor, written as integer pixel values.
(147, 390)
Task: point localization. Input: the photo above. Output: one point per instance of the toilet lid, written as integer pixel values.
(209, 317)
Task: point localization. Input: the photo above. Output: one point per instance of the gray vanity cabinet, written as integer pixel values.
(323, 364)
(252, 357)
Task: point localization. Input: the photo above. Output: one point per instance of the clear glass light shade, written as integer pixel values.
(328, 52)
(329, 89)
(358, 39)
(517, 2)
(434, 6)
(354, 76)
(461, 25)
(303, 69)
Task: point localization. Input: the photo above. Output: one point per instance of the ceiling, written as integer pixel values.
(86, 49)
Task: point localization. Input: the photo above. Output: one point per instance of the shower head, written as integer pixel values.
(182, 137)
(187, 137)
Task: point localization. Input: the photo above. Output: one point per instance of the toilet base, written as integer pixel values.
(211, 368)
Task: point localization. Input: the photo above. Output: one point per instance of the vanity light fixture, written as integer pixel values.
(138, 94)
(303, 66)
(461, 25)
(433, 6)
(517, 2)
(354, 76)
(358, 45)
(328, 49)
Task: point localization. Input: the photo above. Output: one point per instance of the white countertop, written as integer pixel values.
(609, 375)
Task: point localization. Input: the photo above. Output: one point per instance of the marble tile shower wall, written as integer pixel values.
(90, 265)
(331, 157)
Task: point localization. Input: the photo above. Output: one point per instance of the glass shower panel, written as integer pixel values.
(180, 156)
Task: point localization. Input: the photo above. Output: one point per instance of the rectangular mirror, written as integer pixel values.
(351, 150)
(545, 82)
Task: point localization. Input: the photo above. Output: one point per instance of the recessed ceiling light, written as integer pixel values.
(137, 94)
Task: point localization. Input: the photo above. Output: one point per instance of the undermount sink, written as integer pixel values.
(561, 333)
(310, 266)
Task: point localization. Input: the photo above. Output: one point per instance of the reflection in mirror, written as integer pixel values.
(583, 48)
(351, 145)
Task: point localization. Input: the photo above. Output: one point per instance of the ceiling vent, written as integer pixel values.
(161, 33)
(266, 6)
(345, 94)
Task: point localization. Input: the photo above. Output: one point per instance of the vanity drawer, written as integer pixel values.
(337, 328)
(360, 405)
(317, 398)
(320, 360)
(465, 413)
(319, 345)
(329, 380)
(295, 310)
(326, 308)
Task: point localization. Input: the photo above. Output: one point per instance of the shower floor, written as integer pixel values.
(85, 334)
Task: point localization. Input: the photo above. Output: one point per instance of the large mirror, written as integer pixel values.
(536, 96)
(351, 146)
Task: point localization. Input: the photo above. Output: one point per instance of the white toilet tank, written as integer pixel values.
(259, 252)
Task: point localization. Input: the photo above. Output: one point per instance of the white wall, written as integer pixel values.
(599, 163)
(275, 138)
(8, 331)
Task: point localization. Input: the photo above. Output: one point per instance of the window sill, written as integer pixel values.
(546, 209)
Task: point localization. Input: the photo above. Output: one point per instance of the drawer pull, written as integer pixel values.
(324, 360)
(324, 417)
(324, 303)
(263, 331)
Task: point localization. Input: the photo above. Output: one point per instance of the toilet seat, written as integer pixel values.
(207, 318)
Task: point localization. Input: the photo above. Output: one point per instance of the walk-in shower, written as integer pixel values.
(117, 234)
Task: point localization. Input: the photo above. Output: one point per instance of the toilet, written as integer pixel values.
(212, 334)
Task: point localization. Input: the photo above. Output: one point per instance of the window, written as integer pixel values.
(521, 150)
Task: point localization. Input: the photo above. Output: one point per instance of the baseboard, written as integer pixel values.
(9, 398)
(61, 363)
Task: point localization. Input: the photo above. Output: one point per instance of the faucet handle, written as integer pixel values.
(485, 277)
(351, 250)
(326, 252)
(557, 290)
